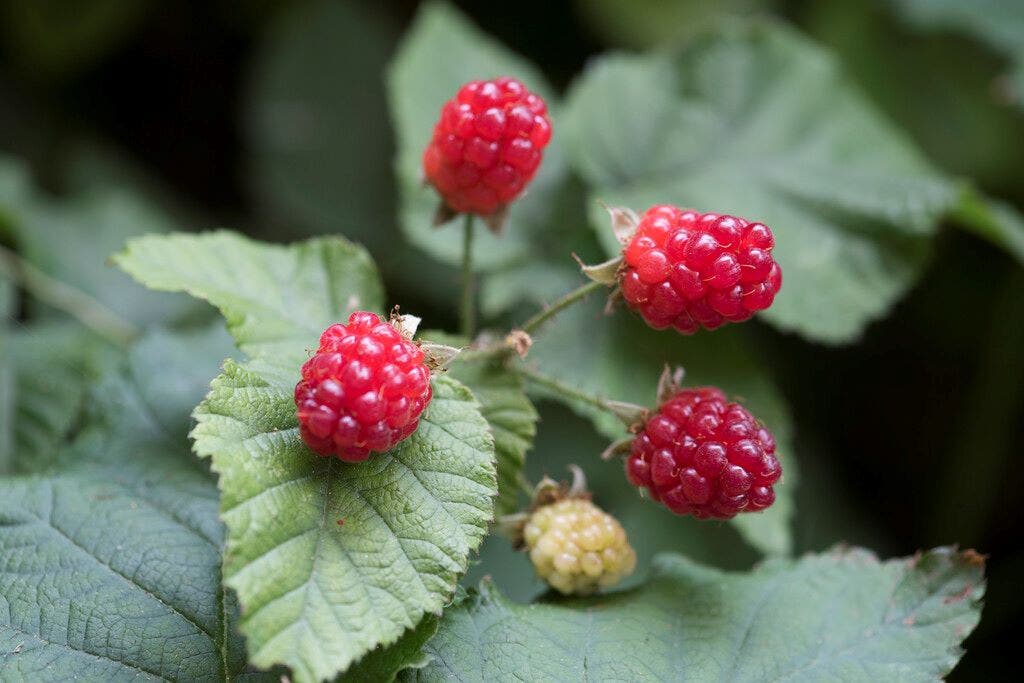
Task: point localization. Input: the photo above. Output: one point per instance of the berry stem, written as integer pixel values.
(467, 311)
(62, 296)
(578, 294)
(627, 413)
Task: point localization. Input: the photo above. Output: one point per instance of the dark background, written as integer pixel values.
(908, 438)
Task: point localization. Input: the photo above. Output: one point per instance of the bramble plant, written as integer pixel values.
(349, 459)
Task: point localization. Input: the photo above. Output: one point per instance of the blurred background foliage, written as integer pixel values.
(272, 117)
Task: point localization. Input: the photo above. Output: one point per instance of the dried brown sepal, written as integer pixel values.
(496, 221)
(617, 448)
(670, 383)
(520, 342)
(443, 214)
(438, 356)
(606, 273)
(624, 222)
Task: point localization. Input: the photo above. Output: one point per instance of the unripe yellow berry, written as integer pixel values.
(577, 547)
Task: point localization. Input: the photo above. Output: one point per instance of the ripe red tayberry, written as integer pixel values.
(487, 145)
(363, 390)
(701, 455)
(689, 270)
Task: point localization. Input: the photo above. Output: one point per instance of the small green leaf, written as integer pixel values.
(754, 120)
(332, 559)
(441, 52)
(276, 299)
(839, 616)
(618, 357)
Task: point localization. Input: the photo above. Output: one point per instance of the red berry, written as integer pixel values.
(701, 455)
(363, 390)
(487, 145)
(688, 270)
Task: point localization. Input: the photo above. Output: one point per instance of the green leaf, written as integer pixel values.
(998, 23)
(332, 559)
(756, 121)
(45, 371)
(90, 226)
(993, 220)
(441, 51)
(276, 299)
(111, 569)
(512, 420)
(383, 664)
(618, 357)
(839, 616)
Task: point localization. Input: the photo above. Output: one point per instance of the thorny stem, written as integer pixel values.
(567, 300)
(64, 297)
(467, 310)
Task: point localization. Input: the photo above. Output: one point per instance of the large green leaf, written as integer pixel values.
(619, 357)
(841, 616)
(441, 51)
(110, 569)
(993, 220)
(276, 299)
(330, 560)
(756, 121)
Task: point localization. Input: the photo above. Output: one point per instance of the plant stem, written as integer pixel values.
(64, 297)
(627, 413)
(467, 312)
(567, 300)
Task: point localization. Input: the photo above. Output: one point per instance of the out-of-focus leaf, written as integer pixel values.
(998, 23)
(839, 616)
(646, 23)
(755, 121)
(110, 568)
(618, 357)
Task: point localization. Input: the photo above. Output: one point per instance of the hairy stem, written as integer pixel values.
(578, 294)
(628, 413)
(64, 297)
(467, 311)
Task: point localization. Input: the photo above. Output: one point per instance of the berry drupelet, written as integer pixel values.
(363, 390)
(487, 145)
(701, 455)
(689, 270)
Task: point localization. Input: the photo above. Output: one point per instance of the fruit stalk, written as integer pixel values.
(467, 312)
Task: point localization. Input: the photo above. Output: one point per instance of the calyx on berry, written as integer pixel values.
(366, 386)
(486, 147)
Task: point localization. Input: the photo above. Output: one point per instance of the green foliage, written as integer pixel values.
(621, 358)
(839, 616)
(756, 121)
(329, 560)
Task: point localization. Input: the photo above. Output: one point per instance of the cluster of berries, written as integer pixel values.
(367, 385)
